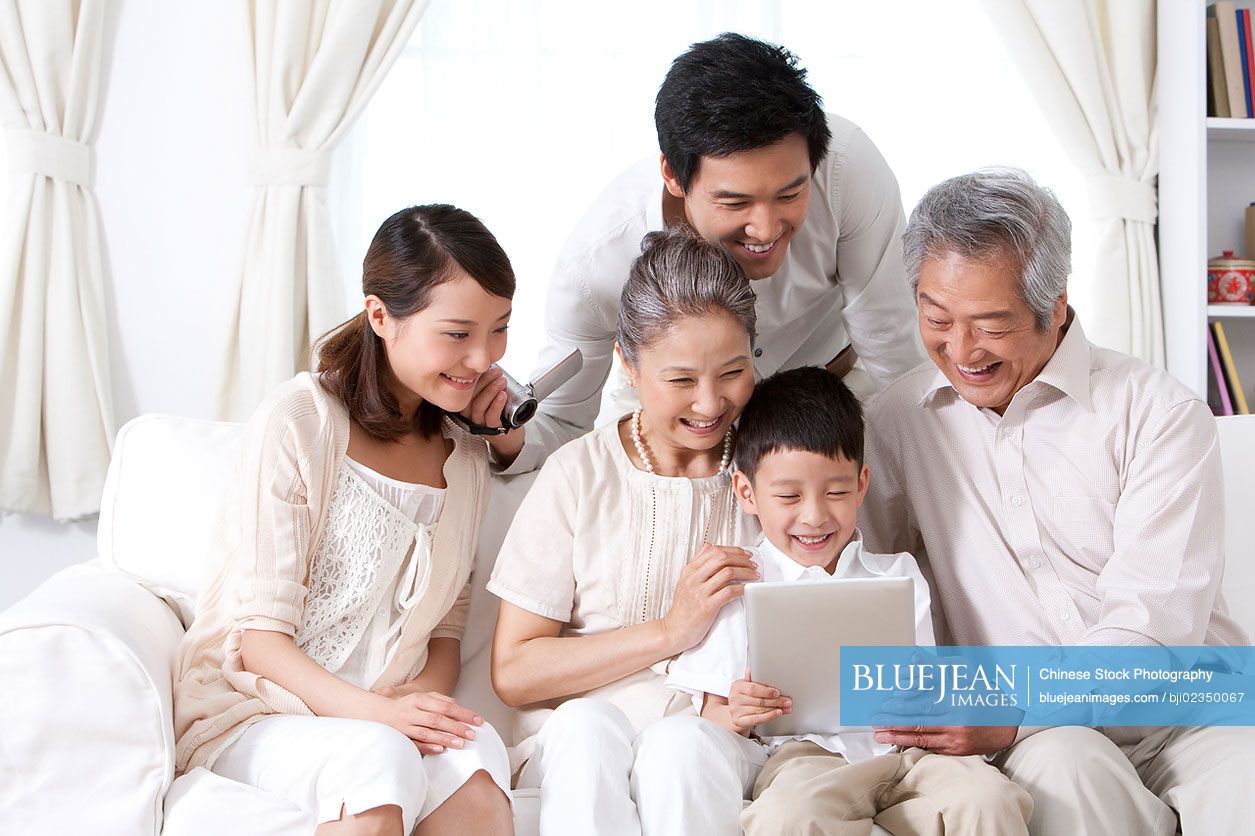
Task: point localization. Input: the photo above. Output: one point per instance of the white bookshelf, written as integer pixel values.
(1206, 179)
(1231, 311)
(1230, 130)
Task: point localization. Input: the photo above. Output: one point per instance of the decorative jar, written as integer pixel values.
(1230, 280)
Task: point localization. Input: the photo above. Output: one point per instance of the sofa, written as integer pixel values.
(86, 734)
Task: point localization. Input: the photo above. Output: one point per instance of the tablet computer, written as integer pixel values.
(795, 635)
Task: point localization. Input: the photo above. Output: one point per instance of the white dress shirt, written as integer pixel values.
(842, 282)
(1090, 513)
(712, 666)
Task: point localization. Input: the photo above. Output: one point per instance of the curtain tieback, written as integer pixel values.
(55, 157)
(292, 166)
(1122, 198)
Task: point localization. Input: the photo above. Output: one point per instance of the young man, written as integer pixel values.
(803, 200)
(800, 471)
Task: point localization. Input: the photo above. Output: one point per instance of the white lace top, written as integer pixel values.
(372, 566)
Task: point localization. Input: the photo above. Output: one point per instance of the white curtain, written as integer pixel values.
(315, 63)
(56, 414)
(1091, 66)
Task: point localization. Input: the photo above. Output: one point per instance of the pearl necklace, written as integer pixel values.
(653, 505)
(649, 465)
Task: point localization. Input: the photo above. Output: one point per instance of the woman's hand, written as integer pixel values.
(485, 409)
(709, 581)
(751, 703)
(433, 721)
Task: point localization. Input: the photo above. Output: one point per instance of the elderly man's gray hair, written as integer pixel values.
(678, 275)
(991, 212)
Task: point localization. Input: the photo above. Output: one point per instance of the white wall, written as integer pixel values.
(172, 144)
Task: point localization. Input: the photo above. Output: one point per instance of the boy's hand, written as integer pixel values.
(751, 703)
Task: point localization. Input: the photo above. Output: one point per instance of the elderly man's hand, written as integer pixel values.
(949, 740)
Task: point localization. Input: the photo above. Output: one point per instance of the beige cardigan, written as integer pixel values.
(293, 447)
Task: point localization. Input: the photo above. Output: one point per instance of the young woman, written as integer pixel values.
(620, 557)
(323, 652)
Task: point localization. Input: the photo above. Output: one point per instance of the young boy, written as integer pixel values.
(800, 470)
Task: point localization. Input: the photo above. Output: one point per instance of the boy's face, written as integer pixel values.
(751, 201)
(806, 503)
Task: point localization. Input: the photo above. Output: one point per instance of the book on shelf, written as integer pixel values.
(1230, 371)
(1226, 18)
(1226, 403)
(1248, 57)
(1217, 90)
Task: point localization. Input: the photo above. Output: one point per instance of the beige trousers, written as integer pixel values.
(804, 789)
(1136, 781)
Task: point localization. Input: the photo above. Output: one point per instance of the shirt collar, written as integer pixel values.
(791, 571)
(1067, 369)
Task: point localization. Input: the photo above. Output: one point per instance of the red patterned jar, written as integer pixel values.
(1230, 280)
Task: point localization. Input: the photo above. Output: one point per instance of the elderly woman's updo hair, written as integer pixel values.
(679, 275)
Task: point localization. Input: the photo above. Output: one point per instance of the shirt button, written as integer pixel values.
(382, 611)
(1008, 432)
(1063, 615)
(1035, 563)
(1017, 500)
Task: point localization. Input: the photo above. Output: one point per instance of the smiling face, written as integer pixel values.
(806, 503)
(979, 331)
(693, 382)
(437, 354)
(752, 202)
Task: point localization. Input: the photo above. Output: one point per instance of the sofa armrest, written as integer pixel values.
(86, 730)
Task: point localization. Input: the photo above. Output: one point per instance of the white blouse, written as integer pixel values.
(598, 545)
(378, 544)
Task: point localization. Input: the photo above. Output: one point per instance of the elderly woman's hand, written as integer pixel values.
(707, 582)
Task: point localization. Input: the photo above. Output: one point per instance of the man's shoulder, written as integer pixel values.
(849, 146)
(611, 229)
(1122, 381)
(843, 133)
(903, 394)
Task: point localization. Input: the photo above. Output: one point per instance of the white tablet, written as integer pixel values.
(795, 635)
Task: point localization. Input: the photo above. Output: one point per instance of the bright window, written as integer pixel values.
(523, 112)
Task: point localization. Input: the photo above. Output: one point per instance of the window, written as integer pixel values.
(523, 112)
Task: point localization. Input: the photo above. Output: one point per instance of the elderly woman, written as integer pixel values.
(620, 557)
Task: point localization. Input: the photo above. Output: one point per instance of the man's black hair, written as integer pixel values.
(732, 94)
(805, 409)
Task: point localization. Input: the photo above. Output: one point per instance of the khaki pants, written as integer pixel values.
(804, 789)
(1136, 781)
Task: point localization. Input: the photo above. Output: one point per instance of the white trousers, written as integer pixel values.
(1137, 781)
(326, 764)
(681, 775)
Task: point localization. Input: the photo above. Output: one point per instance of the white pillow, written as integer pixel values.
(164, 495)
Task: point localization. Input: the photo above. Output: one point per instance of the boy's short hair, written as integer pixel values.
(805, 409)
(732, 94)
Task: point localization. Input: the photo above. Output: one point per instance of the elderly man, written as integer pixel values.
(1056, 493)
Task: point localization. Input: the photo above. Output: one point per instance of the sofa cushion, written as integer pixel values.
(163, 499)
(86, 734)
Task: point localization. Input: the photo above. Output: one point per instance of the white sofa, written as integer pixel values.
(86, 736)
